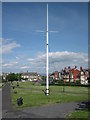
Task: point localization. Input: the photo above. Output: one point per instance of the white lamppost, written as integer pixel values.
(47, 80)
(47, 67)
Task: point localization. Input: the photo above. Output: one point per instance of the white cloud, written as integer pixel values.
(59, 60)
(11, 64)
(86, 60)
(7, 65)
(25, 67)
(17, 58)
(0, 40)
(7, 45)
(30, 59)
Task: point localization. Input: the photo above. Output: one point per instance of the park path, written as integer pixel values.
(0, 103)
(6, 100)
(47, 111)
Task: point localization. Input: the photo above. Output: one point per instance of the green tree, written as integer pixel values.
(11, 77)
(43, 78)
(17, 76)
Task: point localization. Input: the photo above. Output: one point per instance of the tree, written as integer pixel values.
(11, 77)
(17, 77)
(43, 77)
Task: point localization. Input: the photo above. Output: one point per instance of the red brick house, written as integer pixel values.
(75, 73)
(72, 75)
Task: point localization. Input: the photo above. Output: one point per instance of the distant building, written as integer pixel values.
(66, 74)
(51, 76)
(60, 77)
(31, 76)
(71, 75)
(75, 73)
(84, 74)
(4, 75)
(62, 74)
(56, 75)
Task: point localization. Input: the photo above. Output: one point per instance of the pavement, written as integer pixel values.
(47, 111)
(0, 103)
(6, 100)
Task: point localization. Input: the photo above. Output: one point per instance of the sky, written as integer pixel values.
(24, 46)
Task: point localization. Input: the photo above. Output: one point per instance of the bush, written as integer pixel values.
(77, 81)
(71, 84)
(61, 83)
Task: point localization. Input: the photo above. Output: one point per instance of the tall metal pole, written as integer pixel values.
(47, 80)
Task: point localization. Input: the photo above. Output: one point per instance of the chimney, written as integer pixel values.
(80, 68)
(75, 67)
(65, 68)
(69, 67)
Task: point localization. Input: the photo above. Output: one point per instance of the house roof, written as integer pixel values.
(29, 74)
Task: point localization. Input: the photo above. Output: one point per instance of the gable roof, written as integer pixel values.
(29, 74)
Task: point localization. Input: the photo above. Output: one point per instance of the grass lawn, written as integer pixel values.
(79, 114)
(2, 85)
(34, 96)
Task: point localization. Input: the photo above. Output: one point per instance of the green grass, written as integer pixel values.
(2, 85)
(34, 96)
(83, 114)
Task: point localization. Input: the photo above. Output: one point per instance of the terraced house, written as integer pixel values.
(72, 75)
(31, 76)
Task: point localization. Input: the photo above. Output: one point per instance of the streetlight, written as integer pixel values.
(47, 80)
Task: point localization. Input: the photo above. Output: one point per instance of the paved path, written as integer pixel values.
(53, 111)
(6, 100)
(48, 111)
(0, 103)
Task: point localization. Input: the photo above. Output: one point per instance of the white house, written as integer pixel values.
(4, 75)
(31, 76)
(83, 77)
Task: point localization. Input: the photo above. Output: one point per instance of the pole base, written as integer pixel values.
(47, 92)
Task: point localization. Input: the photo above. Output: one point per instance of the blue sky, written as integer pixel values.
(24, 47)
